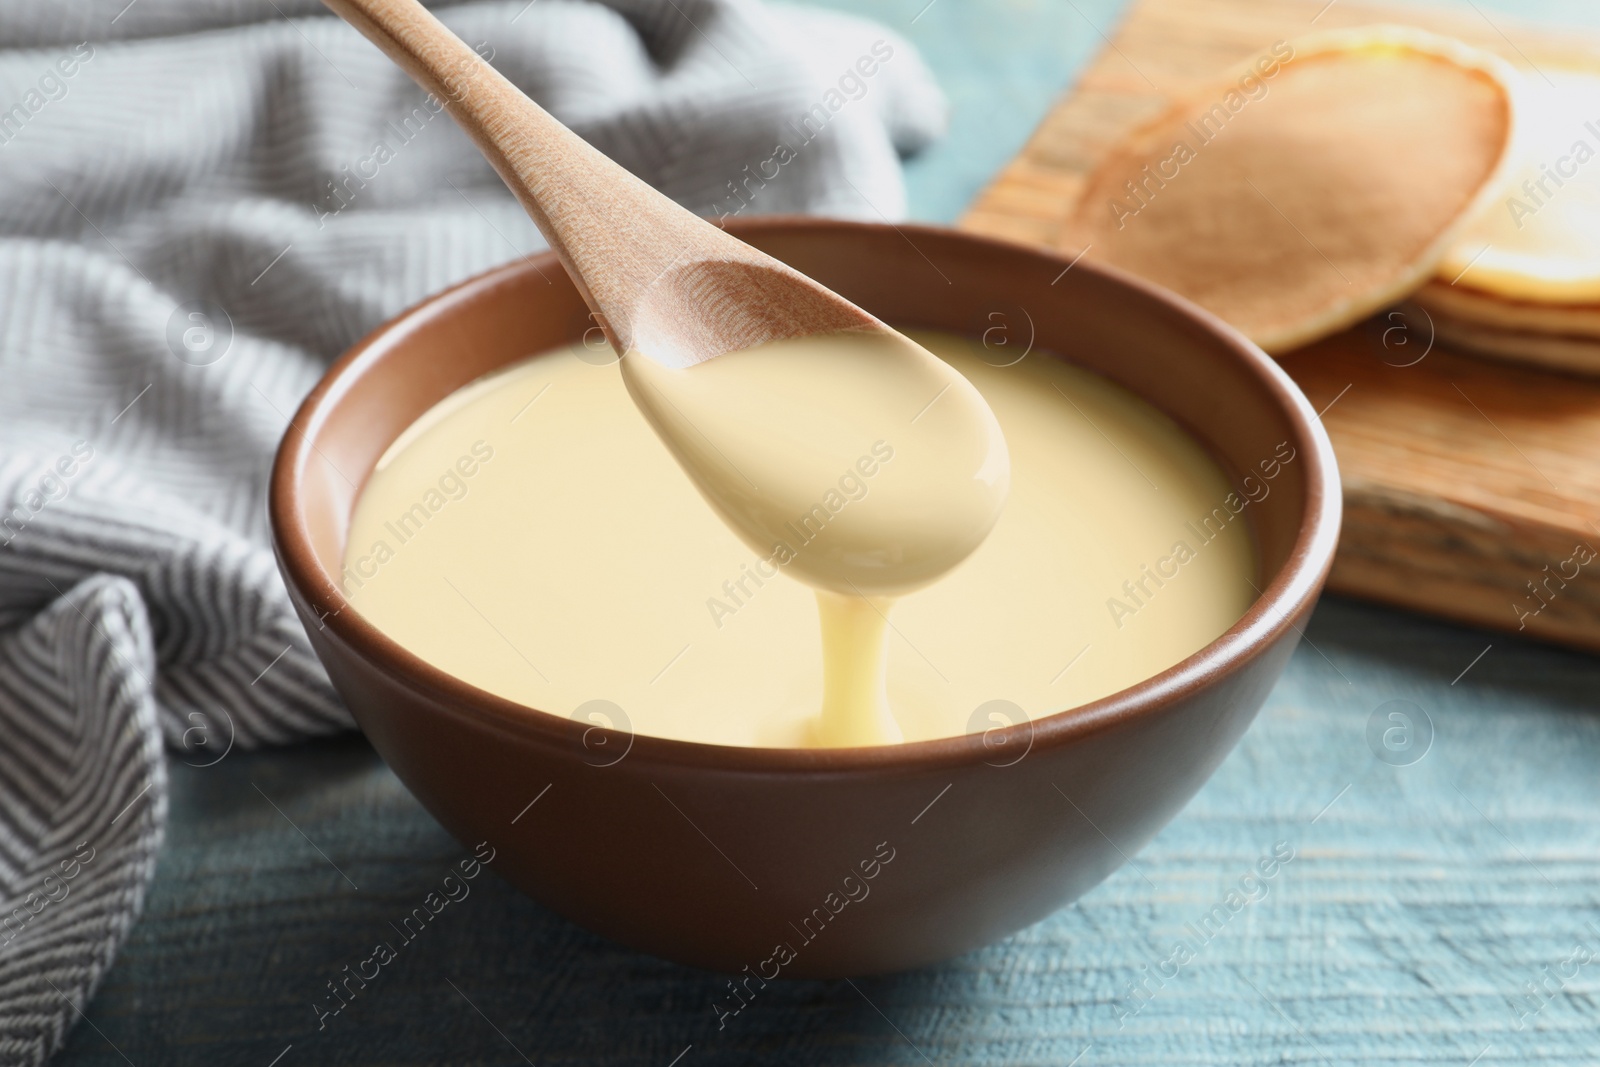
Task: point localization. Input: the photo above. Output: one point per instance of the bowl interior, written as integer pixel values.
(1188, 364)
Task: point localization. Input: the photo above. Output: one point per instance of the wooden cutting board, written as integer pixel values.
(1472, 488)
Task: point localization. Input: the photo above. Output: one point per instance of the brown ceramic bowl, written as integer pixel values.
(729, 857)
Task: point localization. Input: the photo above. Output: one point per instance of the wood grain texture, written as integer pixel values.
(1469, 484)
(660, 278)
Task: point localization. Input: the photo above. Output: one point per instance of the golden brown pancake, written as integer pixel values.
(1578, 355)
(1523, 281)
(1466, 304)
(1575, 349)
(1539, 240)
(1321, 182)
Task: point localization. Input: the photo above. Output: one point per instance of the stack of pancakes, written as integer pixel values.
(1523, 282)
(1331, 177)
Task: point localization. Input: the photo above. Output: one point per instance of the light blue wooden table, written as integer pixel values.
(1443, 911)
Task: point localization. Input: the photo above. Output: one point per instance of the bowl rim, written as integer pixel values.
(1270, 616)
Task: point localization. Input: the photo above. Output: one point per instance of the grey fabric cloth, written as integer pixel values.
(202, 203)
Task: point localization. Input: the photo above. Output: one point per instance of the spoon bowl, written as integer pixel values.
(708, 307)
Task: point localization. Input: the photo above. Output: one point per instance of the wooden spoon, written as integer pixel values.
(663, 281)
(764, 437)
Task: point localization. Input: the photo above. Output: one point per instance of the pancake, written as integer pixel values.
(1539, 241)
(1575, 353)
(1467, 304)
(1321, 182)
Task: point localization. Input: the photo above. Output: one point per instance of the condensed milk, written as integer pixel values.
(531, 536)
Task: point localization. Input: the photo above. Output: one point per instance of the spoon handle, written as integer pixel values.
(614, 233)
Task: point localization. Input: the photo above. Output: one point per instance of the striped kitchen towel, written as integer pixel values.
(202, 202)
